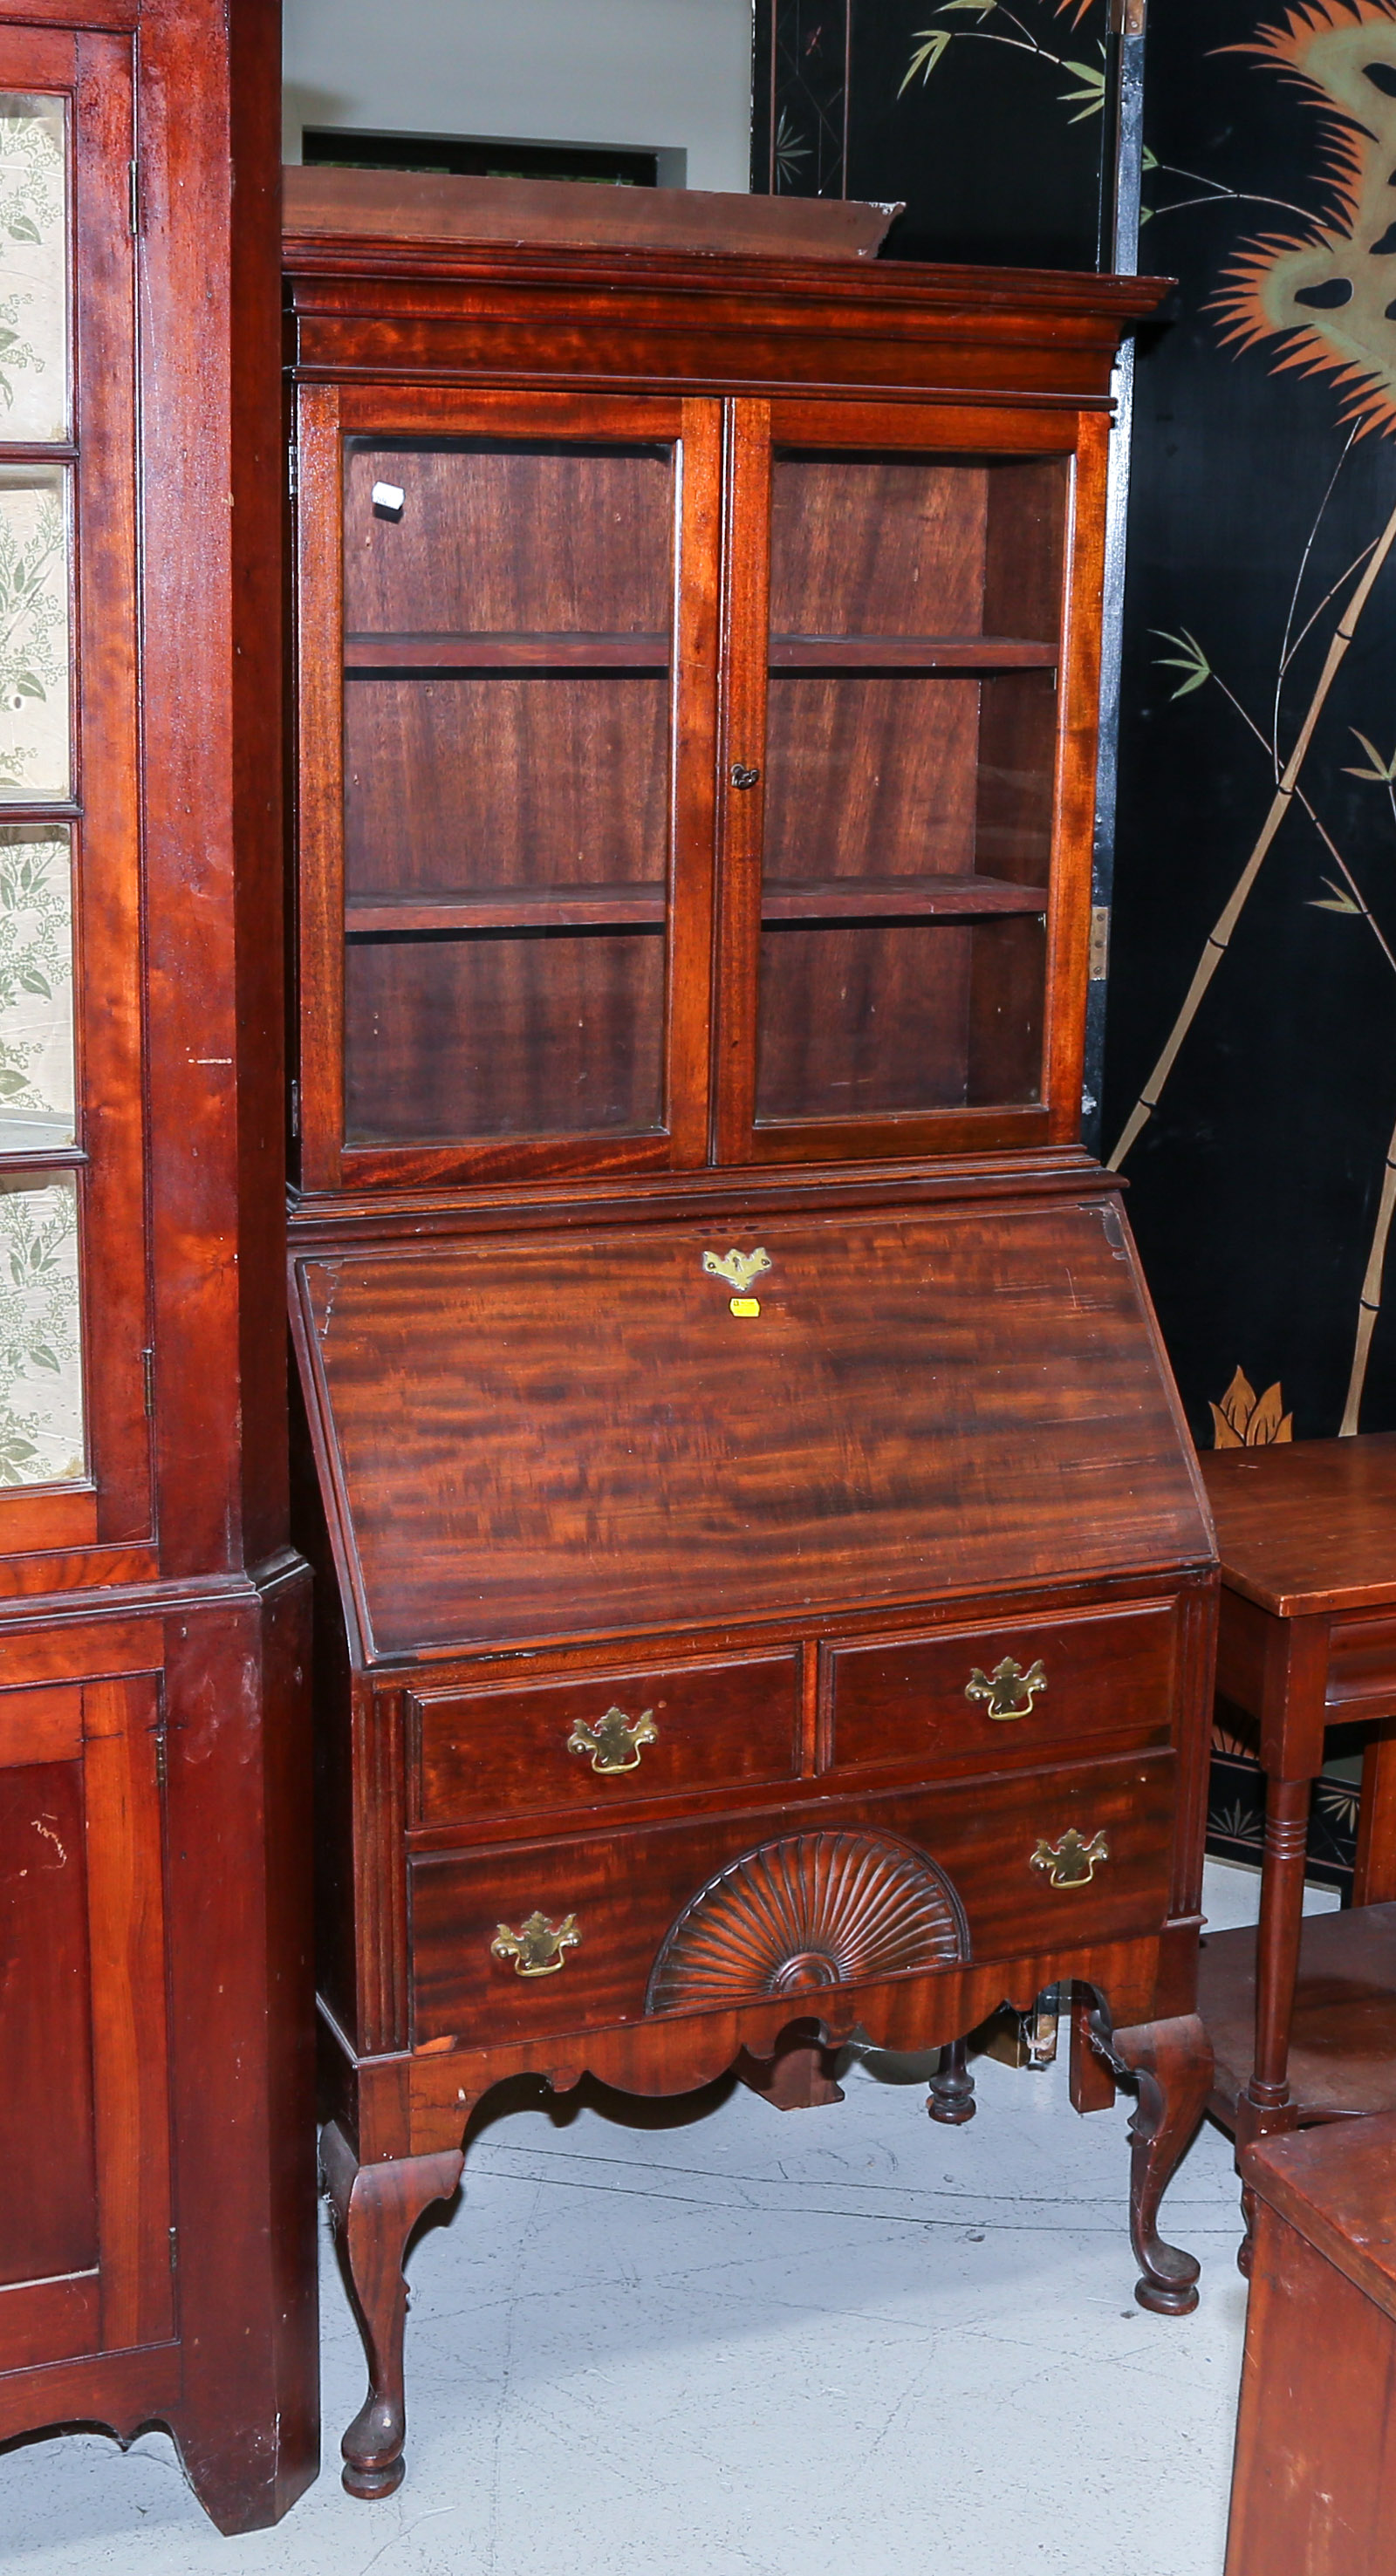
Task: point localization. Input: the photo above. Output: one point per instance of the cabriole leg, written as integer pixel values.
(1172, 2064)
(377, 2207)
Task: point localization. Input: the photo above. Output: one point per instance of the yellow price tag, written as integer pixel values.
(745, 1305)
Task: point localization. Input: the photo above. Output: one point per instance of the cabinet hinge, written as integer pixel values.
(161, 1766)
(1100, 942)
(174, 2249)
(134, 178)
(295, 1109)
(293, 480)
(148, 1374)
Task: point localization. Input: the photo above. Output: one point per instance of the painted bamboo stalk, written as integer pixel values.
(1219, 938)
(1369, 1303)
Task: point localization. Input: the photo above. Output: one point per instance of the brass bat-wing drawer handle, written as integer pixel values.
(1071, 1862)
(616, 1742)
(1008, 1689)
(538, 1948)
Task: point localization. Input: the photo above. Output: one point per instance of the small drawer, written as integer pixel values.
(563, 1746)
(538, 1941)
(1002, 1693)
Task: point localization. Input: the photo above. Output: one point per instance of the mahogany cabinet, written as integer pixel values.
(766, 1589)
(157, 2245)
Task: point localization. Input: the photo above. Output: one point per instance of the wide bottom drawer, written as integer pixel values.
(563, 1936)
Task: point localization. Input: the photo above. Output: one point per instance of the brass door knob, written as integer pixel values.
(616, 1742)
(1071, 1863)
(538, 1948)
(1008, 1690)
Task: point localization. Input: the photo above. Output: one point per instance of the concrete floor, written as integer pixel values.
(740, 2342)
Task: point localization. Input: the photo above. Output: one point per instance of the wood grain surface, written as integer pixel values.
(1307, 1526)
(443, 207)
(720, 1725)
(544, 1438)
(626, 1889)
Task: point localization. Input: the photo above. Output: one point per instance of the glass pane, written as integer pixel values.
(910, 758)
(41, 1412)
(545, 1033)
(507, 738)
(34, 649)
(36, 986)
(33, 267)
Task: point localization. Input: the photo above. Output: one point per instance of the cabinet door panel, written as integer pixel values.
(74, 1433)
(48, 2214)
(84, 2119)
(900, 866)
(508, 711)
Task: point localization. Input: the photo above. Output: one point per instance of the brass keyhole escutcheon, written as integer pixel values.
(538, 1948)
(739, 1269)
(616, 1742)
(1008, 1690)
(1071, 1862)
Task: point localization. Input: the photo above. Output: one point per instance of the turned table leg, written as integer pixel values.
(951, 2087)
(377, 2207)
(1172, 2063)
(1266, 2105)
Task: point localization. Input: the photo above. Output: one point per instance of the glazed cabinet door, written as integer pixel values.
(74, 1328)
(908, 767)
(508, 648)
(85, 2245)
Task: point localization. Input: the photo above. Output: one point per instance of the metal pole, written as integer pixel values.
(1120, 241)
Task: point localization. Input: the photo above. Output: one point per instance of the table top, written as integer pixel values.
(1307, 1526)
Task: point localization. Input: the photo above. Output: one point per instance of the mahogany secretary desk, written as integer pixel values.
(766, 1587)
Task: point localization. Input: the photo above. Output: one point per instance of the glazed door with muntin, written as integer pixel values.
(512, 636)
(898, 781)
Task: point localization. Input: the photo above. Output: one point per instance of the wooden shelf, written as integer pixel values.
(621, 907)
(651, 653)
(559, 907)
(506, 652)
(899, 899)
(909, 653)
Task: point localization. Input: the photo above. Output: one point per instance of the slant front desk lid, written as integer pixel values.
(524, 1438)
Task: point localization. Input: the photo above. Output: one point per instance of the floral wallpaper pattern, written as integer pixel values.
(36, 986)
(34, 754)
(42, 1436)
(41, 1427)
(33, 268)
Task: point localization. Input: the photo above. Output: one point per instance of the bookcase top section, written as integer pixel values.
(562, 214)
(527, 1440)
(410, 225)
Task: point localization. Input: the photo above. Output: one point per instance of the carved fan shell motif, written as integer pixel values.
(814, 1910)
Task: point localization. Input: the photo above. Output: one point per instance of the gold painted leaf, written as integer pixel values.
(1238, 1403)
(1336, 900)
(1225, 1438)
(1269, 1422)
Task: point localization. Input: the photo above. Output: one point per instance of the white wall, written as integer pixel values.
(662, 73)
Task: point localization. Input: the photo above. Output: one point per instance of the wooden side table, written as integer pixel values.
(1302, 2014)
(1316, 2437)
